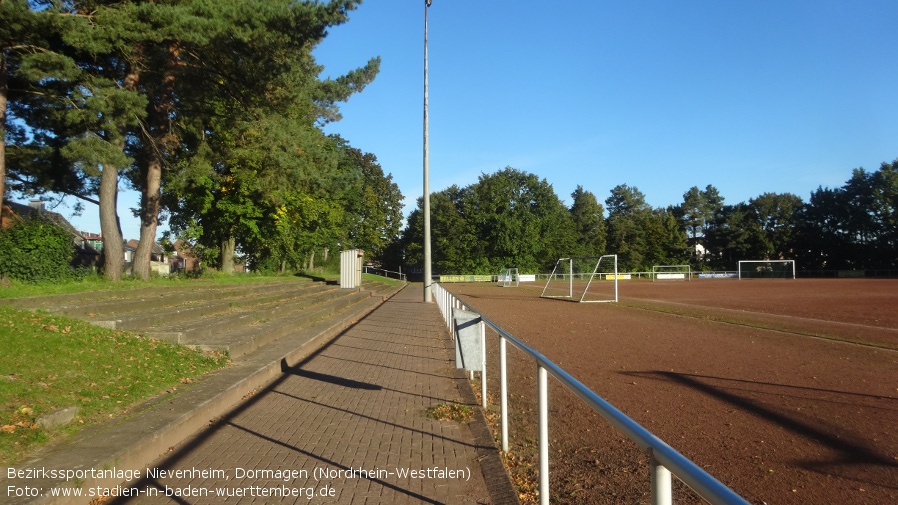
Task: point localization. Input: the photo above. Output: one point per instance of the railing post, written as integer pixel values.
(543, 399)
(453, 306)
(448, 304)
(503, 393)
(447, 311)
(482, 326)
(446, 307)
(662, 489)
(450, 312)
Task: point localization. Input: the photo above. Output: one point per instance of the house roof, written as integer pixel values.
(17, 211)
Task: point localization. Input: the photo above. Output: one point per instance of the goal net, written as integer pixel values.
(671, 272)
(767, 269)
(508, 277)
(585, 279)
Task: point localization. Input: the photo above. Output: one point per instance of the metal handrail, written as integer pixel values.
(664, 460)
(389, 274)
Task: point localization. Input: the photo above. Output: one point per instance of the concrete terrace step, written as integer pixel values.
(237, 319)
(106, 305)
(253, 315)
(201, 311)
(241, 342)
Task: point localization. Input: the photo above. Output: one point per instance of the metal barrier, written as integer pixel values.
(664, 461)
(389, 274)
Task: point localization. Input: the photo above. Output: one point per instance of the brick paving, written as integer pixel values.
(345, 424)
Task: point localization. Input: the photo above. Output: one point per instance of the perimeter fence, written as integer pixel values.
(664, 461)
(848, 274)
(543, 277)
(697, 274)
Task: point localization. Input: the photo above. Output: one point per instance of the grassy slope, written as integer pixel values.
(49, 363)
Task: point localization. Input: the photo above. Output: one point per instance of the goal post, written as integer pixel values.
(584, 279)
(766, 269)
(671, 272)
(508, 277)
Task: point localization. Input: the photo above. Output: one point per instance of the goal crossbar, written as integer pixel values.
(783, 269)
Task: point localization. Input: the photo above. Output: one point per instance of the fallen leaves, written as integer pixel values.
(453, 411)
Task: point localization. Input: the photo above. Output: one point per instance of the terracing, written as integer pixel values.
(236, 319)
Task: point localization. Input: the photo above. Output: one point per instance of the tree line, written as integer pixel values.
(214, 111)
(211, 110)
(514, 219)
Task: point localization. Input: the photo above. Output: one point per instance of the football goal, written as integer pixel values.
(767, 269)
(671, 272)
(509, 277)
(587, 279)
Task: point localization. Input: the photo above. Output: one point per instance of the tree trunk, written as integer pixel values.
(113, 251)
(149, 217)
(4, 91)
(311, 261)
(226, 247)
(156, 145)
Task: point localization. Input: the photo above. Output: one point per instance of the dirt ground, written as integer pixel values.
(784, 390)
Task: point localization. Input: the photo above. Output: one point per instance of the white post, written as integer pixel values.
(543, 394)
(454, 306)
(503, 392)
(483, 369)
(570, 271)
(447, 309)
(615, 277)
(662, 489)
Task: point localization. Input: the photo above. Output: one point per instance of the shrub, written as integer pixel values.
(36, 250)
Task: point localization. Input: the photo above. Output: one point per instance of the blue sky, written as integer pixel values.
(751, 97)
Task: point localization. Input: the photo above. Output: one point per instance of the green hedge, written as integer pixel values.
(36, 250)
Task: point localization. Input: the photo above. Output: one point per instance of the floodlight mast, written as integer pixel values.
(428, 276)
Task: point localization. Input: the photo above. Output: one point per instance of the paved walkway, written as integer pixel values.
(346, 426)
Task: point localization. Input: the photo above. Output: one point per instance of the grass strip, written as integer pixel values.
(49, 363)
(383, 280)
